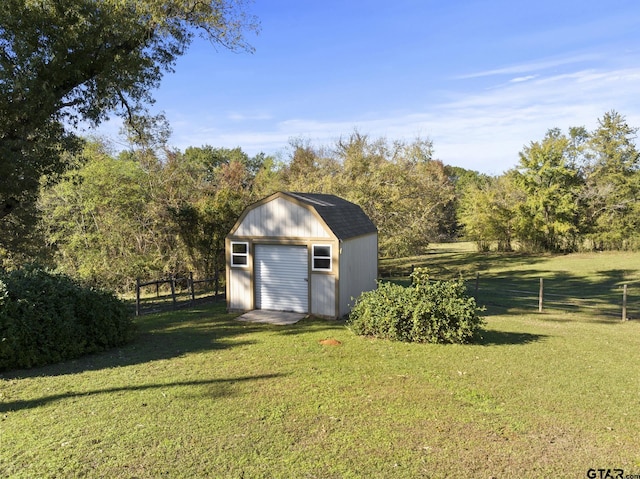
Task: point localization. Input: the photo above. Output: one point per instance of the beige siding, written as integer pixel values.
(239, 294)
(281, 218)
(358, 269)
(323, 295)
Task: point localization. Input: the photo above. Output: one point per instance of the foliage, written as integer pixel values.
(612, 184)
(103, 221)
(47, 318)
(153, 210)
(568, 192)
(426, 312)
(114, 219)
(487, 208)
(216, 185)
(64, 62)
(547, 218)
(406, 193)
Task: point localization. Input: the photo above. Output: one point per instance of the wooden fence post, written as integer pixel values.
(193, 291)
(624, 302)
(172, 280)
(137, 296)
(540, 295)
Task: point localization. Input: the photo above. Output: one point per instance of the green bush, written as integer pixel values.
(426, 312)
(47, 318)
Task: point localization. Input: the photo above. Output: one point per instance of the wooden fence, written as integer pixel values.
(174, 291)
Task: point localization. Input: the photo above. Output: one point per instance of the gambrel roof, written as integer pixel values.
(345, 219)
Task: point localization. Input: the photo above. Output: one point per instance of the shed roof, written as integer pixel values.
(345, 219)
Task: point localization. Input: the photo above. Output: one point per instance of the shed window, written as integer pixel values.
(240, 254)
(321, 257)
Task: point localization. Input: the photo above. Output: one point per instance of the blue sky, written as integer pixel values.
(481, 79)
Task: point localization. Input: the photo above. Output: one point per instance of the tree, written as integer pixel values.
(67, 61)
(488, 207)
(401, 188)
(216, 184)
(101, 220)
(309, 168)
(548, 217)
(462, 180)
(612, 183)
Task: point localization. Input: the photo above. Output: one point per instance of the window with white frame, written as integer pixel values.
(321, 257)
(239, 254)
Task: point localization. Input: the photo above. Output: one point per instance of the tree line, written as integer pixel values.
(570, 191)
(153, 209)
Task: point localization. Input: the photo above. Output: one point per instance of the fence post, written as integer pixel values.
(540, 295)
(173, 288)
(137, 296)
(193, 291)
(624, 302)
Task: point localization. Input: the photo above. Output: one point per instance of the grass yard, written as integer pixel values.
(588, 283)
(201, 395)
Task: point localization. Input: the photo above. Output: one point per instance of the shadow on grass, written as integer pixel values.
(173, 334)
(510, 282)
(32, 403)
(504, 338)
(595, 298)
(444, 264)
(159, 336)
(309, 325)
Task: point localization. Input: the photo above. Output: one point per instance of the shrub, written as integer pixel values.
(426, 312)
(47, 318)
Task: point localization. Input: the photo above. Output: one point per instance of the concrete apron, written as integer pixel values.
(280, 318)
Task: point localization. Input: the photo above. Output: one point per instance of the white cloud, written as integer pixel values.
(533, 66)
(478, 129)
(254, 116)
(523, 79)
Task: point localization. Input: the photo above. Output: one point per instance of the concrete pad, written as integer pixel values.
(280, 318)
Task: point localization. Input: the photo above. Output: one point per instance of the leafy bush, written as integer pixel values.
(426, 312)
(46, 318)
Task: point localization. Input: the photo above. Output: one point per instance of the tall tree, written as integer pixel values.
(488, 207)
(216, 185)
(612, 191)
(101, 221)
(548, 217)
(462, 180)
(403, 190)
(66, 61)
(309, 168)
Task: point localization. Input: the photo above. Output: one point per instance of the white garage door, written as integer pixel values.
(282, 278)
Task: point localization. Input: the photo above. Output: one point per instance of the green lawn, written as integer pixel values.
(201, 395)
(588, 283)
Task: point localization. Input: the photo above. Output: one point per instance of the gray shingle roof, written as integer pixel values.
(346, 219)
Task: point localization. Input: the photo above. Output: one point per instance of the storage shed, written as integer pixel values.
(301, 252)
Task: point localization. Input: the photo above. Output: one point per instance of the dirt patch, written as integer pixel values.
(330, 342)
